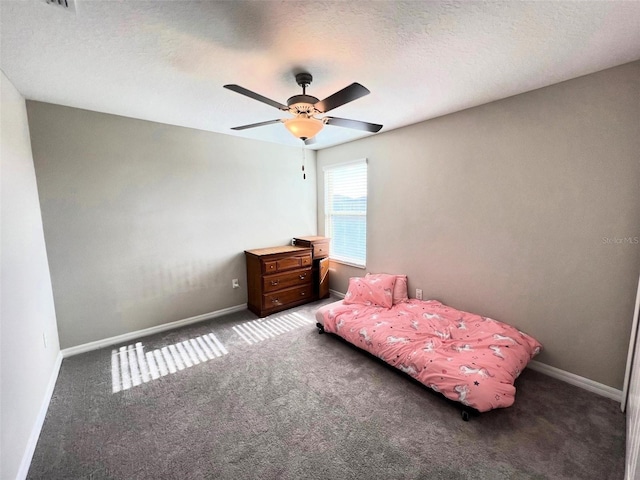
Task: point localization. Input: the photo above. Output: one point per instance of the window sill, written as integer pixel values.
(349, 264)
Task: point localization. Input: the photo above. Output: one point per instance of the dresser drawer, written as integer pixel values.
(285, 297)
(320, 249)
(288, 263)
(319, 245)
(283, 264)
(270, 266)
(279, 281)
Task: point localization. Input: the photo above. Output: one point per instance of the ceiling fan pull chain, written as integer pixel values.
(304, 156)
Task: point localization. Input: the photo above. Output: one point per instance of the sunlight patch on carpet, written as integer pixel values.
(131, 366)
(265, 328)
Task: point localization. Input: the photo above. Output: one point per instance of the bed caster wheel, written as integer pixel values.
(465, 415)
(320, 328)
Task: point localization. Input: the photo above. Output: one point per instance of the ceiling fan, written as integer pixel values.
(304, 124)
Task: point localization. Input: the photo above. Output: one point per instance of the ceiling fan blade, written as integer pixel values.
(310, 141)
(346, 95)
(357, 124)
(256, 96)
(269, 122)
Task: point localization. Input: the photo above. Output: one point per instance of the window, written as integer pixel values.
(345, 207)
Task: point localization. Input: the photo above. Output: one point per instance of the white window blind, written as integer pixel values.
(345, 206)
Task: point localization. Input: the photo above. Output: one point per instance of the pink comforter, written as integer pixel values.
(468, 358)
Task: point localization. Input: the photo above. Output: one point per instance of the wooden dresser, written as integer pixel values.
(278, 278)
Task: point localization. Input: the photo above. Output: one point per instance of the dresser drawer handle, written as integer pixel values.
(302, 294)
(275, 282)
(303, 276)
(275, 300)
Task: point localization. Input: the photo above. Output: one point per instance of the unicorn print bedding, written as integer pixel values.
(466, 357)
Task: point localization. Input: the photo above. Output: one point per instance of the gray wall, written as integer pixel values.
(27, 310)
(146, 223)
(504, 210)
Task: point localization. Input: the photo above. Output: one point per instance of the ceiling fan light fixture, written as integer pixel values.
(303, 127)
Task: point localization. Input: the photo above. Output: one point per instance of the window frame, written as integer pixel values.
(353, 262)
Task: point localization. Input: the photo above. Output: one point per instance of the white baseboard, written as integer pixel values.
(125, 337)
(336, 293)
(577, 380)
(37, 426)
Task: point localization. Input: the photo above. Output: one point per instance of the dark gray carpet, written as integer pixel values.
(309, 406)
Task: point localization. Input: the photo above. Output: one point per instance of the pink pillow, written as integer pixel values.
(400, 293)
(371, 290)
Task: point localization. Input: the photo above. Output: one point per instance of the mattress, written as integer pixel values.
(468, 358)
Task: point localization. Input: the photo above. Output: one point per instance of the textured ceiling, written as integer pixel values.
(167, 61)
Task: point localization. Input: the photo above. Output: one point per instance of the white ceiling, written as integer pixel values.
(166, 61)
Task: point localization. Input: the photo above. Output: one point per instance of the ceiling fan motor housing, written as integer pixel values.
(302, 104)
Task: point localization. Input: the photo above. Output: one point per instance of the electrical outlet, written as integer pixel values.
(234, 283)
(419, 293)
(44, 339)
